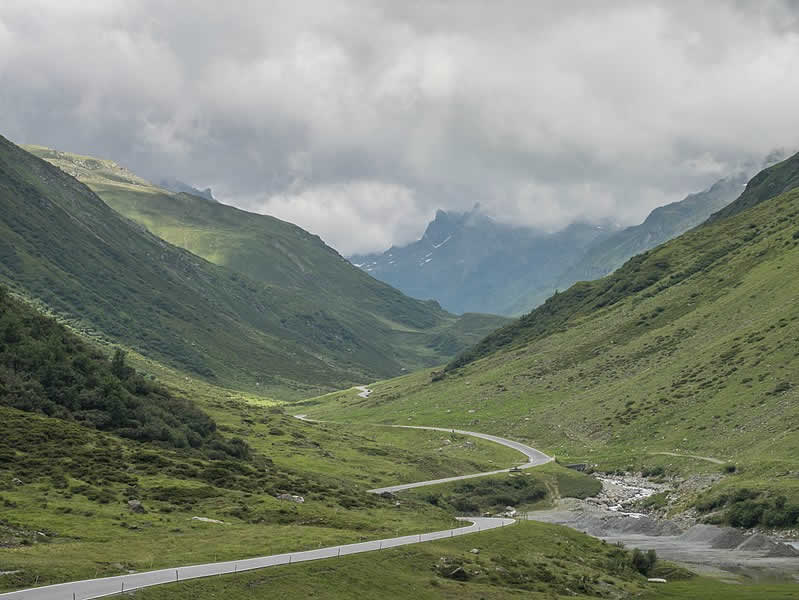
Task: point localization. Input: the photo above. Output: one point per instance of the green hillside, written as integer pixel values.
(771, 182)
(281, 254)
(82, 435)
(690, 348)
(48, 370)
(662, 224)
(62, 246)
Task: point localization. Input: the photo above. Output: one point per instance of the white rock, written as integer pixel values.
(207, 520)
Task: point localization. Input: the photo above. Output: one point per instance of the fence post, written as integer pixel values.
(176, 575)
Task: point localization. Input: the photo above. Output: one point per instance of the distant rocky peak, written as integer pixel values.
(447, 223)
(442, 227)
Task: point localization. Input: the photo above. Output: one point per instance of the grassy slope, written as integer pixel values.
(408, 333)
(73, 484)
(767, 184)
(662, 224)
(689, 348)
(531, 560)
(89, 529)
(62, 246)
(69, 475)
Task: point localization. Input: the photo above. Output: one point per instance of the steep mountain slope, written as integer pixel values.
(46, 369)
(767, 184)
(469, 262)
(285, 256)
(689, 348)
(63, 246)
(661, 225)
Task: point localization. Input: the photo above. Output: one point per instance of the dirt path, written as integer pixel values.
(715, 461)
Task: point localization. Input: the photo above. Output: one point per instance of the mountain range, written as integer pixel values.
(682, 360)
(468, 261)
(680, 364)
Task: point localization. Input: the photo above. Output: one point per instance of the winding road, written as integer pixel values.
(534, 458)
(107, 586)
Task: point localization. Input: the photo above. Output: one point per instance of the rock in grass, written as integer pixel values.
(291, 498)
(207, 520)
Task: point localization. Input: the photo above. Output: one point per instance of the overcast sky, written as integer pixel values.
(356, 120)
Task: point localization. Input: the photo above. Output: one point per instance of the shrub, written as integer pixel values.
(47, 369)
(657, 471)
(643, 562)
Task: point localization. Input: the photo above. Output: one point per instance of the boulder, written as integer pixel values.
(135, 506)
(291, 498)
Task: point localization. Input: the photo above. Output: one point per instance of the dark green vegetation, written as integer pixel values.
(690, 348)
(63, 247)
(479, 495)
(525, 490)
(748, 508)
(530, 560)
(46, 369)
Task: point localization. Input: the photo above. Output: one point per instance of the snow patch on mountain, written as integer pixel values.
(449, 237)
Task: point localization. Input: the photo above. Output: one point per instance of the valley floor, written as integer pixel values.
(693, 551)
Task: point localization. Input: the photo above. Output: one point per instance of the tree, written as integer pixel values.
(118, 366)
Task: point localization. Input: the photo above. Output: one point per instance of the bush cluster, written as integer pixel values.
(480, 495)
(44, 368)
(749, 508)
(620, 561)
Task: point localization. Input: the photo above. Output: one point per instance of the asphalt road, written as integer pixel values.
(534, 458)
(107, 586)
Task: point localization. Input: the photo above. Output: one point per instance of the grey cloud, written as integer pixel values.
(358, 119)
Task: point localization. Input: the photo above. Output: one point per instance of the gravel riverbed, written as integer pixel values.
(725, 552)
